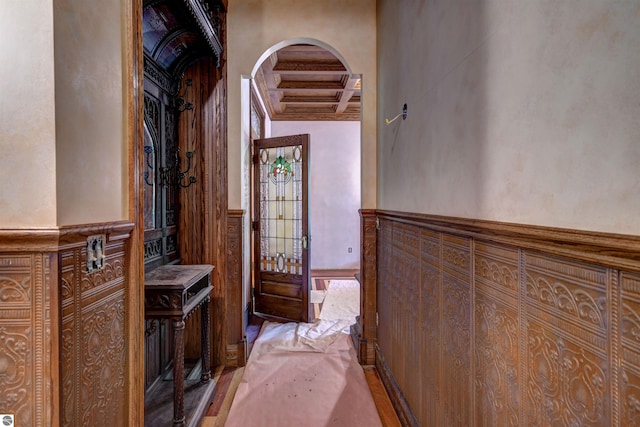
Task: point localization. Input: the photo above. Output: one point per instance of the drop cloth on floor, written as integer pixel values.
(303, 375)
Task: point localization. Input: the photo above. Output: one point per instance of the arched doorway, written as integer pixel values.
(305, 86)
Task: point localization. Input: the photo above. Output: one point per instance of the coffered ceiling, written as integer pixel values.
(306, 82)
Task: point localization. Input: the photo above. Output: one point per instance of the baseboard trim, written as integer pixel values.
(399, 402)
(242, 353)
(232, 355)
(347, 272)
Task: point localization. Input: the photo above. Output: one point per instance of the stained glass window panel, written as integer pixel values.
(280, 175)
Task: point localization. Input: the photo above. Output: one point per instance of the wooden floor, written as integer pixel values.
(228, 378)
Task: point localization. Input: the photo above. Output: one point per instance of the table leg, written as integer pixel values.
(205, 344)
(178, 373)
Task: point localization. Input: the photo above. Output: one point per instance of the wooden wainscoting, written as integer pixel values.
(64, 334)
(94, 337)
(486, 324)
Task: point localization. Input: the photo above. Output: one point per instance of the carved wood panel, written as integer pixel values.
(93, 356)
(384, 293)
(160, 177)
(508, 334)
(568, 376)
(26, 357)
(497, 336)
(456, 331)
(430, 329)
(627, 352)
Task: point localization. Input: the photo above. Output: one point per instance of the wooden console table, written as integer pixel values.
(175, 292)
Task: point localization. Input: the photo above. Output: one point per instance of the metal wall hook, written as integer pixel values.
(170, 175)
(403, 114)
(181, 103)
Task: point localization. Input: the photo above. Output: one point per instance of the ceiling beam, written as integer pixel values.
(309, 100)
(309, 67)
(298, 86)
(347, 94)
(317, 116)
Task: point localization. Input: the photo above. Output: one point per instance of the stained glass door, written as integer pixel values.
(281, 239)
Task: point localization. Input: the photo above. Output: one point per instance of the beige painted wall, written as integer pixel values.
(348, 26)
(63, 157)
(525, 112)
(27, 115)
(90, 119)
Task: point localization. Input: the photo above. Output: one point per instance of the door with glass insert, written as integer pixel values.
(281, 227)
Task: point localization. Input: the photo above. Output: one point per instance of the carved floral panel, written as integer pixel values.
(456, 350)
(569, 291)
(93, 350)
(25, 337)
(16, 377)
(497, 376)
(567, 383)
(497, 267)
(102, 375)
(430, 330)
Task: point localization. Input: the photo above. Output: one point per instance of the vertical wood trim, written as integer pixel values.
(523, 342)
(472, 332)
(441, 374)
(52, 331)
(134, 279)
(368, 280)
(235, 334)
(613, 313)
(221, 187)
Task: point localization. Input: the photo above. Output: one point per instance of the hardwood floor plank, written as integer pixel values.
(218, 416)
(222, 387)
(384, 406)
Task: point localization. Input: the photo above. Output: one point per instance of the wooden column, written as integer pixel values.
(178, 372)
(236, 343)
(364, 331)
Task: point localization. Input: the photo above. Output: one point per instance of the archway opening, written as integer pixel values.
(305, 86)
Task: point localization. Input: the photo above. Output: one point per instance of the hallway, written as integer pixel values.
(315, 361)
